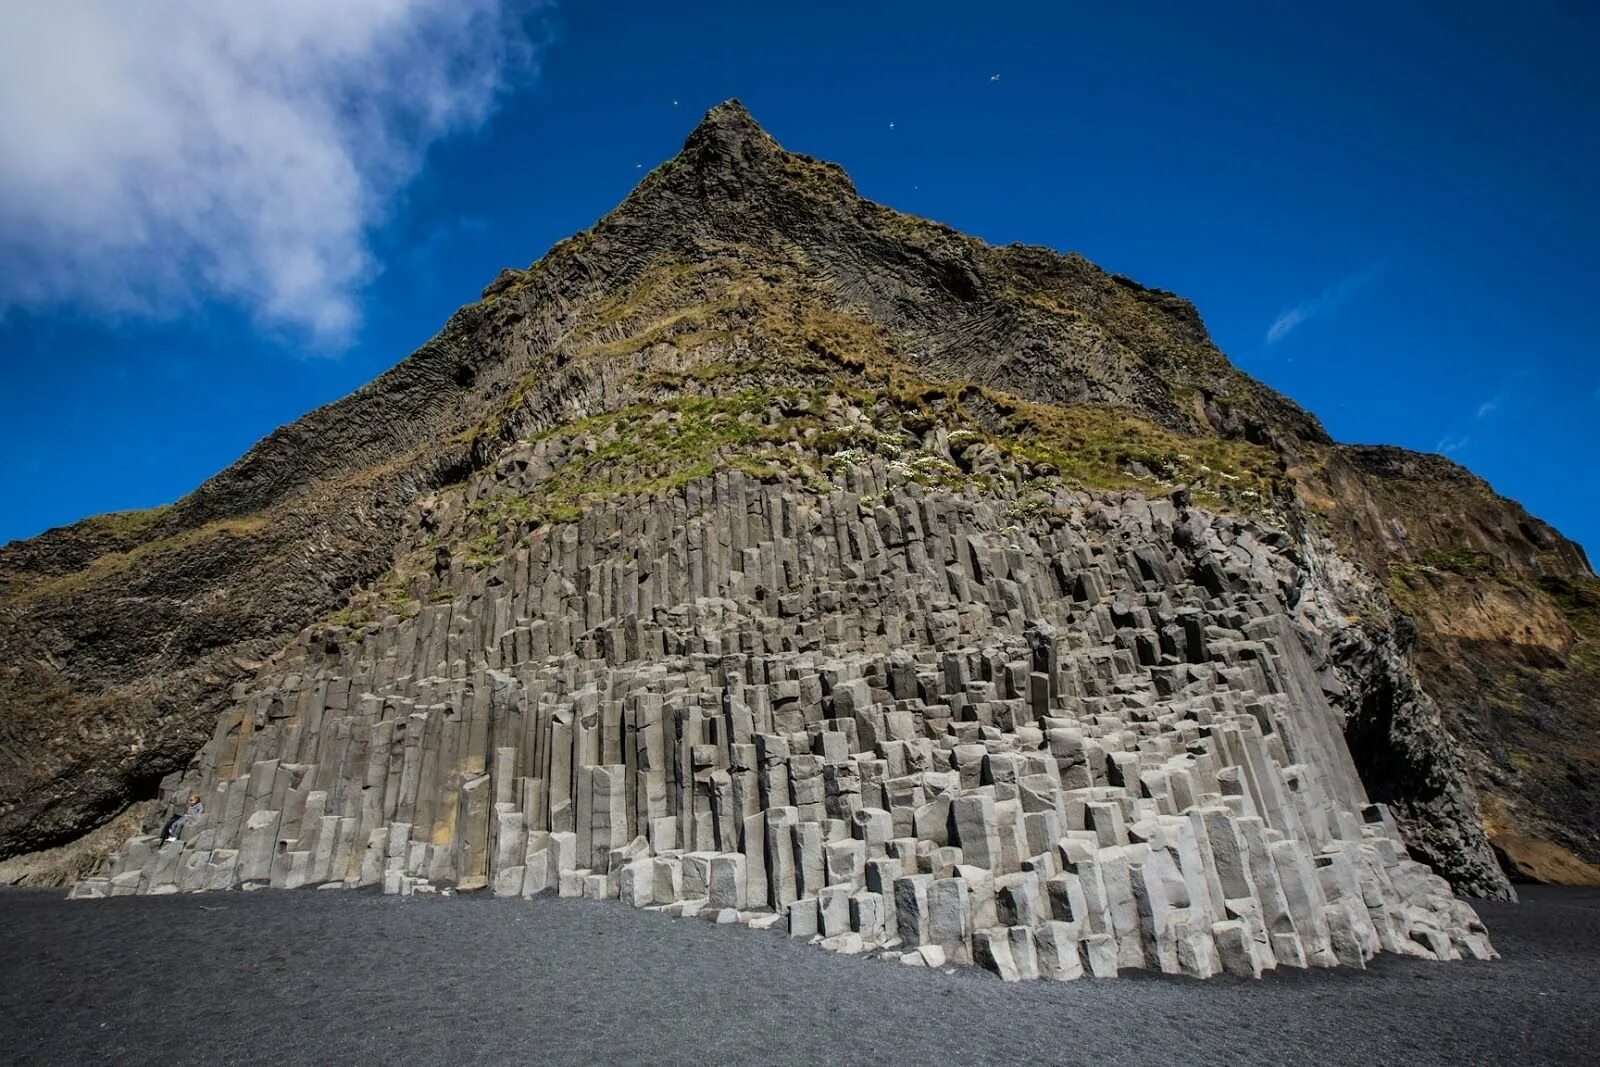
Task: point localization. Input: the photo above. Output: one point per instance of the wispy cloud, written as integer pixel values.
(1454, 441)
(160, 155)
(1323, 303)
(1287, 321)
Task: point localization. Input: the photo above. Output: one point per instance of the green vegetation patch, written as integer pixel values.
(1578, 600)
(770, 366)
(1467, 562)
(129, 525)
(391, 595)
(643, 449)
(114, 564)
(1411, 581)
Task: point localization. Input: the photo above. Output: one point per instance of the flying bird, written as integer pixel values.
(994, 77)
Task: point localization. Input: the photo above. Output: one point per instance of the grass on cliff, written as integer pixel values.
(642, 449)
(1578, 600)
(1415, 583)
(748, 341)
(659, 447)
(115, 564)
(129, 525)
(390, 595)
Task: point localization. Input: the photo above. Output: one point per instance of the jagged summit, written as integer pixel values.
(730, 140)
(744, 309)
(727, 133)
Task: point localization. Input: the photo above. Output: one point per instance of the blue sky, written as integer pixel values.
(1388, 214)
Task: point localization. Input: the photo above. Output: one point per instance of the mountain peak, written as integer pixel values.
(745, 336)
(731, 118)
(729, 136)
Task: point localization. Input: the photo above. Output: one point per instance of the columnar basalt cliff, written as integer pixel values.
(764, 551)
(896, 707)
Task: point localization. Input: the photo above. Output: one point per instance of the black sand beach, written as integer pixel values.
(335, 977)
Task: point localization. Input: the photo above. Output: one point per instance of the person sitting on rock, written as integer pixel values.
(174, 828)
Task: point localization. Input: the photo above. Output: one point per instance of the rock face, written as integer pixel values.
(1503, 615)
(1529, 859)
(1047, 733)
(759, 506)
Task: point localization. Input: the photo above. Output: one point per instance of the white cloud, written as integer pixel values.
(158, 154)
(1451, 443)
(1489, 407)
(1286, 322)
(1324, 302)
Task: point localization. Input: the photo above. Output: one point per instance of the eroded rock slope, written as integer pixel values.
(745, 311)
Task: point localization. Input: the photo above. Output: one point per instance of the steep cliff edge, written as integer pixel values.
(1503, 616)
(121, 638)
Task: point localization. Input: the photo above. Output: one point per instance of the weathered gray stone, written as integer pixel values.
(804, 918)
(911, 908)
(991, 950)
(1056, 944)
(1099, 955)
(950, 917)
(725, 885)
(877, 714)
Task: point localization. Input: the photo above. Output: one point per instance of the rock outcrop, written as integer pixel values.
(762, 507)
(1050, 733)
